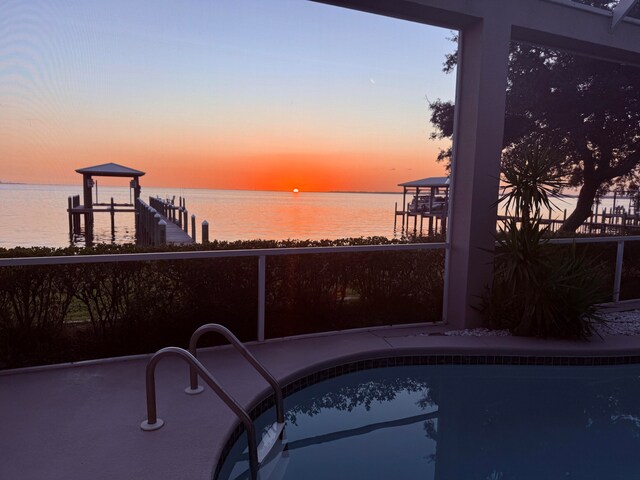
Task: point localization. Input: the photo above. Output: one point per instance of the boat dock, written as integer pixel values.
(159, 222)
(430, 201)
(616, 221)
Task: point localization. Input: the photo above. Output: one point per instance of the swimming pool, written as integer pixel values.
(486, 422)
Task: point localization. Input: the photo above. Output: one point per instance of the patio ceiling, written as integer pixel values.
(566, 24)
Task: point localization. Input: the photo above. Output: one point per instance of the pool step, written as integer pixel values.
(269, 440)
(274, 464)
(275, 468)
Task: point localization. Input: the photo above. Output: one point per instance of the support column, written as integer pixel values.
(477, 145)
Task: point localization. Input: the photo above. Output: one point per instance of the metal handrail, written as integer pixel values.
(261, 254)
(207, 254)
(233, 340)
(154, 423)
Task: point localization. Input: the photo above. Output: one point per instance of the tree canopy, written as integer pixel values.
(587, 109)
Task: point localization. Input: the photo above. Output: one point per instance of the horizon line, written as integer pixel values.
(205, 188)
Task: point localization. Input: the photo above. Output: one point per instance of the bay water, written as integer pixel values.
(35, 215)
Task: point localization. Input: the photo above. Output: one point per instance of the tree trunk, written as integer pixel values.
(583, 208)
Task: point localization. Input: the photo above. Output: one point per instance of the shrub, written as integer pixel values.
(408, 285)
(66, 313)
(34, 302)
(306, 293)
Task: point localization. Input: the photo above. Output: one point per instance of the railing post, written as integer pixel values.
(186, 221)
(193, 228)
(618, 275)
(262, 269)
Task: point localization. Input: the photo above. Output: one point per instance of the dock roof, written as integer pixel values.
(427, 182)
(110, 170)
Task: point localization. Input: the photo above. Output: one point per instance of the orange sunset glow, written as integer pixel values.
(204, 164)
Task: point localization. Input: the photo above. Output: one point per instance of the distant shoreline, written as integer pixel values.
(147, 187)
(368, 192)
(356, 191)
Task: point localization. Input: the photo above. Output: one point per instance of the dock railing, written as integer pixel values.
(260, 254)
(614, 222)
(179, 215)
(263, 254)
(151, 228)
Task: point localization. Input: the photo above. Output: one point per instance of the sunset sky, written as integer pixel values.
(234, 94)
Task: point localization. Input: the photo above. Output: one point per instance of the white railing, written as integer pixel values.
(261, 253)
(619, 240)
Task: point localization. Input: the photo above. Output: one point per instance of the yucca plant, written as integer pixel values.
(532, 177)
(538, 289)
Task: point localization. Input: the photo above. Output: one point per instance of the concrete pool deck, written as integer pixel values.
(83, 421)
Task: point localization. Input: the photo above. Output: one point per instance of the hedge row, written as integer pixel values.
(60, 313)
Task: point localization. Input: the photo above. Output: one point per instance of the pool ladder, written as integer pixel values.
(257, 453)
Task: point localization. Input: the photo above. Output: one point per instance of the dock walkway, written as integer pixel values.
(159, 223)
(175, 234)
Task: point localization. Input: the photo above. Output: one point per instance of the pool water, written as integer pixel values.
(448, 422)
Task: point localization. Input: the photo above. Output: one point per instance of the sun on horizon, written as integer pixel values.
(295, 190)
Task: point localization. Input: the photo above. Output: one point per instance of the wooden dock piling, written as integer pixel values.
(157, 218)
(113, 218)
(69, 208)
(205, 231)
(395, 217)
(76, 216)
(162, 232)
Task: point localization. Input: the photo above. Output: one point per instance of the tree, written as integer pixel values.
(588, 108)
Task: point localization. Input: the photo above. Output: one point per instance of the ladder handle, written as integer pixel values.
(194, 364)
(233, 340)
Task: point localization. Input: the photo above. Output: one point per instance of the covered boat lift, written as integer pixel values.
(88, 207)
(430, 200)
